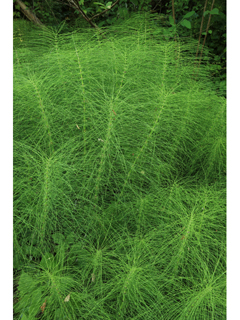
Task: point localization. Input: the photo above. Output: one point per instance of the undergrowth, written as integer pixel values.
(119, 177)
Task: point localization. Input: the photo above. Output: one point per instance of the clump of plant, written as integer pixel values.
(119, 178)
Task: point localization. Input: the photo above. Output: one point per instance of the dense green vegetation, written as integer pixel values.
(119, 175)
(86, 13)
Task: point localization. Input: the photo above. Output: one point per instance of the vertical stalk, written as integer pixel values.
(199, 39)
(206, 34)
(173, 13)
(84, 96)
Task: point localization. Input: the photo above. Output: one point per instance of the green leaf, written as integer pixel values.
(171, 20)
(204, 33)
(214, 11)
(206, 12)
(108, 5)
(186, 23)
(100, 4)
(189, 14)
(81, 2)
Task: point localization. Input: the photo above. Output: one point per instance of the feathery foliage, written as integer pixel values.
(119, 177)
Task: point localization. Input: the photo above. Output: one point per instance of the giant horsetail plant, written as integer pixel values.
(119, 177)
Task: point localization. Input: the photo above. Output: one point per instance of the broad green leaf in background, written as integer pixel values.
(100, 4)
(213, 11)
(108, 5)
(81, 2)
(189, 14)
(204, 33)
(186, 23)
